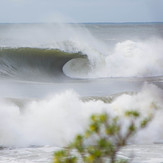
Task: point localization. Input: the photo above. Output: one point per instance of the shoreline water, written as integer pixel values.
(144, 153)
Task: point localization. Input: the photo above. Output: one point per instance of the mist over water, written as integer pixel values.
(47, 70)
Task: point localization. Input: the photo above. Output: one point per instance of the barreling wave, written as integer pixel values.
(34, 63)
(80, 54)
(128, 59)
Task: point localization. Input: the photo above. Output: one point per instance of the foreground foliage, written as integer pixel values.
(102, 140)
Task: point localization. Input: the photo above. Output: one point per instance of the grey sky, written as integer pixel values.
(80, 10)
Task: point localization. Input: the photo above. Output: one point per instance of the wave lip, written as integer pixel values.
(77, 68)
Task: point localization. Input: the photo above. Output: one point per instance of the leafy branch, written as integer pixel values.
(102, 140)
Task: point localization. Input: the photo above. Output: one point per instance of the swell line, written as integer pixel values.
(32, 63)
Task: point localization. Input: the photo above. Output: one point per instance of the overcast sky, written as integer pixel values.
(21, 11)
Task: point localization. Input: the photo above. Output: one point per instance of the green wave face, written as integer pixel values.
(34, 63)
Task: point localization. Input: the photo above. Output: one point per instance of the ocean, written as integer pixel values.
(54, 76)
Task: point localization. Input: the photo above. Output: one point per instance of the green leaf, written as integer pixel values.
(132, 113)
(103, 118)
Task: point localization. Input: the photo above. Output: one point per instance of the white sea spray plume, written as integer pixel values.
(55, 120)
(136, 59)
(127, 59)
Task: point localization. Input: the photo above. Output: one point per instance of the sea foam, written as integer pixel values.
(55, 120)
(127, 59)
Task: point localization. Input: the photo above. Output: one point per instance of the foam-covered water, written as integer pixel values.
(53, 77)
(135, 153)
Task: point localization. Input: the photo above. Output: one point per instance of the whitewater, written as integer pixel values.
(54, 76)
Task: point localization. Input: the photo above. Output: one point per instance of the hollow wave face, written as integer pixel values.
(34, 63)
(35, 39)
(55, 120)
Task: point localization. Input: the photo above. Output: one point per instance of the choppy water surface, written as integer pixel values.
(135, 153)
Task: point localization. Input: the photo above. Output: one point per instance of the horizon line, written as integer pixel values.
(97, 22)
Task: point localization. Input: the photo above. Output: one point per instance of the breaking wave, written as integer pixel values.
(55, 120)
(33, 63)
(126, 58)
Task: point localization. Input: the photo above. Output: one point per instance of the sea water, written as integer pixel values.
(46, 70)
